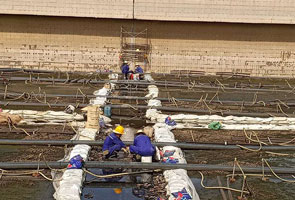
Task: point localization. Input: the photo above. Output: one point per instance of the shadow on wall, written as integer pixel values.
(156, 29)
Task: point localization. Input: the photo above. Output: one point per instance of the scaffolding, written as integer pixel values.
(135, 48)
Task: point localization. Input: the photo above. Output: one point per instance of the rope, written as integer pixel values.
(277, 154)
(244, 176)
(17, 97)
(222, 86)
(257, 141)
(268, 165)
(284, 143)
(254, 150)
(225, 188)
(279, 106)
(214, 96)
(19, 128)
(118, 174)
(5, 92)
(254, 98)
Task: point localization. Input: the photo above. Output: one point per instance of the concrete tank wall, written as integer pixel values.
(74, 8)
(86, 44)
(245, 11)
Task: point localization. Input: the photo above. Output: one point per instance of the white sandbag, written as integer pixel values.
(87, 134)
(154, 102)
(128, 136)
(98, 101)
(148, 77)
(177, 151)
(101, 92)
(70, 185)
(169, 174)
(106, 119)
(153, 91)
(80, 149)
(113, 76)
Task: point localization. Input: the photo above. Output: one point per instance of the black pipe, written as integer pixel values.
(185, 146)
(237, 103)
(84, 80)
(178, 74)
(201, 112)
(135, 165)
(18, 103)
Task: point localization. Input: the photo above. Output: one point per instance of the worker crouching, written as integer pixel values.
(113, 144)
(142, 146)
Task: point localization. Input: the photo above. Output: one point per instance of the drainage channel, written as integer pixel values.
(72, 179)
(178, 182)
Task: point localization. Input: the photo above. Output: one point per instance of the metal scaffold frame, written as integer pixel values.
(135, 48)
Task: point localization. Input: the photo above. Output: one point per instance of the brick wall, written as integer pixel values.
(85, 44)
(78, 44)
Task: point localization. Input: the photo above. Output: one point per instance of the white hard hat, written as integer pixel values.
(139, 131)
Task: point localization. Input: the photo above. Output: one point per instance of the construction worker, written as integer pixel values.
(142, 145)
(113, 144)
(139, 70)
(125, 69)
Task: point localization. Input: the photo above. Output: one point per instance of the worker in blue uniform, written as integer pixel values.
(113, 144)
(125, 69)
(139, 70)
(142, 145)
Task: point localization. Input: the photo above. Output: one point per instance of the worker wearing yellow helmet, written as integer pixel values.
(113, 143)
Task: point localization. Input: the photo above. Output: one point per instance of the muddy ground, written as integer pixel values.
(16, 153)
(231, 136)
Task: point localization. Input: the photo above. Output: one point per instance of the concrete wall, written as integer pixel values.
(85, 44)
(245, 11)
(75, 8)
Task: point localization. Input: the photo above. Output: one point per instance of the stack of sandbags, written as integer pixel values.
(6, 118)
(180, 185)
(49, 117)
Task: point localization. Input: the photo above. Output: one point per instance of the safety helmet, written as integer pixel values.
(118, 190)
(125, 61)
(119, 130)
(139, 131)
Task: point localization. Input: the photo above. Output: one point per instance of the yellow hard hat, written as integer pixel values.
(118, 190)
(119, 130)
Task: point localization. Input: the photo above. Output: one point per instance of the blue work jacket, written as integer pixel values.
(142, 145)
(139, 70)
(125, 69)
(112, 143)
